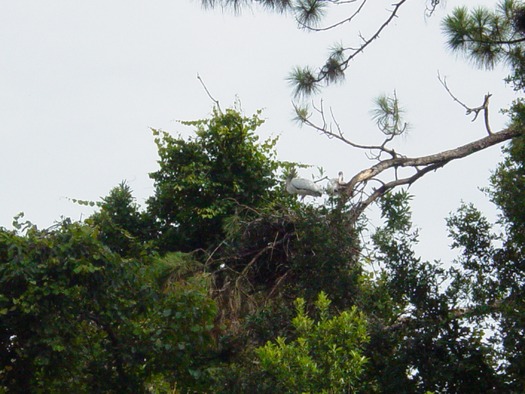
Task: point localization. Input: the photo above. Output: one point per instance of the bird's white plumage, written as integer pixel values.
(301, 186)
(334, 184)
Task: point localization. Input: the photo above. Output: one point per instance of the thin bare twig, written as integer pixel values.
(209, 94)
(341, 22)
(367, 42)
(326, 129)
(484, 107)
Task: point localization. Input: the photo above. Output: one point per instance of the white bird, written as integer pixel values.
(301, 186)
(334, 184)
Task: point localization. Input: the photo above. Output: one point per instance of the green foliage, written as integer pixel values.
(202, 180)
(277, 5)
(324, 255)
(489, 37)
(272, 256)
(508, 262)
(417, 340)
(472, 233)
(304, 81)
(178, 269)
(388, 115)
(326, 355)
(122, 226)
(508, 190)
(295, 251)
(411, 281)
(76, 317)
(309, 12)
(85, 203)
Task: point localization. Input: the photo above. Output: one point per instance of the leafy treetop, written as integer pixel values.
(202, 180)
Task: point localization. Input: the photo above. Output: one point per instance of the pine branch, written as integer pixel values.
(337, 24)
(375, 36)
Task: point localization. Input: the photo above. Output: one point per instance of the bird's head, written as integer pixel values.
(292, 174)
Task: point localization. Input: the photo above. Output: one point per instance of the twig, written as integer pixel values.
(326, 129)
(208, 93)
(486, 112)
(274, 288)
(367, 42)
(346, 20)
(213, 252)
(484, 107)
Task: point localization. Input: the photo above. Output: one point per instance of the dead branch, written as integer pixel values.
(432, 7)
(327, 129)
(368, 41)
(485, 108)
(276, 286)
(469, 110)
(386, 187)
(420, 165)
(208, 93)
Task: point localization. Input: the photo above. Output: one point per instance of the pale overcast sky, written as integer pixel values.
(81, 83)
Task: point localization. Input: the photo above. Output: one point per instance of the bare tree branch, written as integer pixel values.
(484, 107)
(337, 24)
(420, 165)
(386, 187)
(368, 41)
(208, 93)
(327, 129)
(432, 7)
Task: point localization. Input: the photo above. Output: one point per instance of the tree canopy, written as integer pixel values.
(201, 180)
(76, 316)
